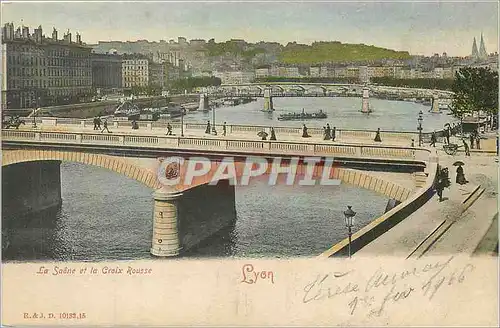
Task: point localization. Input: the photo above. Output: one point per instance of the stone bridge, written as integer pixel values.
(281, 88)
(31, 163)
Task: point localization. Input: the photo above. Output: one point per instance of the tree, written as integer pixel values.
(475, 89)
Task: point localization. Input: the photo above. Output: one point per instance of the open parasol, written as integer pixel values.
(458, 163)
(262, 134)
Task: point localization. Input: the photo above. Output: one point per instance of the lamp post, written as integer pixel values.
(349, 223)
(34, 114)
(183, 111)
(213, 120)
(420, 119)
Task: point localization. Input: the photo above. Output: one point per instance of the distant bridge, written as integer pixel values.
(310, 89)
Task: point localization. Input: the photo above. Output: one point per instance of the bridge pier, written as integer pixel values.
(166, 240)
(268, 100)
(30, 187)
(204, 104)
(365, 107)
(181, 221)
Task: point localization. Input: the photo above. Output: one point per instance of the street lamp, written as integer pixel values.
(349, 223)
(213, 119)
(183, 112)
(34, 114)
(420, 119)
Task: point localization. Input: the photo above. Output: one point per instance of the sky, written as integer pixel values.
(421, 28)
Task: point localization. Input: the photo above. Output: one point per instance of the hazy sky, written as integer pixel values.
(418, 27)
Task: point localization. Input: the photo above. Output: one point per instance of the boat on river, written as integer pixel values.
(302, 116)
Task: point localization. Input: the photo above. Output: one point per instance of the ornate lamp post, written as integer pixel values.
(183, 112)
(213, 120)
(34, 114)
(420, 119)
(349, 223)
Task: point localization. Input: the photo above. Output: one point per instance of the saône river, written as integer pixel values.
(106, 216)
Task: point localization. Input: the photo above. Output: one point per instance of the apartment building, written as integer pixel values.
(40, 71)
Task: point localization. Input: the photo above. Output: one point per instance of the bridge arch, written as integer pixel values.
(115, 164)
(353, 177)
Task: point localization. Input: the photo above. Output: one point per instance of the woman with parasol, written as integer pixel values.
(263, 134)
(460, 179)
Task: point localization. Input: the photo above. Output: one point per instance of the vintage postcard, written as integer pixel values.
(249, 163)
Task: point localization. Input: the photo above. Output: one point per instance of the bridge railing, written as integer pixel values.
(230, 145)
(238, 128)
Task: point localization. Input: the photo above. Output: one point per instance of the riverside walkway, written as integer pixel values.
(457, 224)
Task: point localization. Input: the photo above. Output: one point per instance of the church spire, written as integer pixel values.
(482, 49)
(475, 53)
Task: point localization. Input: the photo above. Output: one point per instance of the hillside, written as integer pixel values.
(324, 52)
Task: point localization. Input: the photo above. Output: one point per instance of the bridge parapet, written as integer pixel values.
(250, 129)
(228, 145)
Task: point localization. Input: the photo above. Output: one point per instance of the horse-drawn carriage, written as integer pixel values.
(451, 149)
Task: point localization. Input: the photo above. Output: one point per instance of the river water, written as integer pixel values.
(343, 113)
(107, 216)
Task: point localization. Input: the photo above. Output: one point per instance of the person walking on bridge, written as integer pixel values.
(169, 129)
(273, 135)
(328, 132)
(304, 132)
(224, 129)
(377, 136)
(334, 130)
(105, 126)
(98, 122)
(207, 130)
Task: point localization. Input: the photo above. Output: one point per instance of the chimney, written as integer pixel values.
(54, 34)
(67, 37)
(38, 34)
(26, 32)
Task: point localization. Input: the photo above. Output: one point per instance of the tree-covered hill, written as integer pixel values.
(332, 52)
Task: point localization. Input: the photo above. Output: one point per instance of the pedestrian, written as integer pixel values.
(99, 122)
(169, 129)
(135, 125)
(328, 132)
(377, 136)
(447, 135)
(324, 133)
(207, 130)
(334, 131)
(433, 139)
(413, 142)
(466, 147)
(95, 123)
(224, 129)
(304, 132)
(478, 141)
(105, 126)
(273, 135)
(442, 182)
(460, 179)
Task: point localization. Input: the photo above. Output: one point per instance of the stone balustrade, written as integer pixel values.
(239, 129)
(227, 145)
